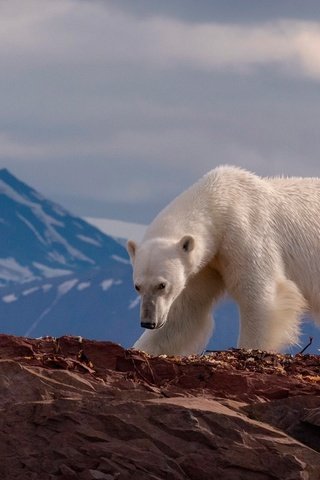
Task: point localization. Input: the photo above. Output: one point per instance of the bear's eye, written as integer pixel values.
(137, 287)
(161, 286)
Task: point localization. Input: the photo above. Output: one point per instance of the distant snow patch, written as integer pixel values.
(32, 228)
(134, 303)
(59, 211)
(83, 286)
(57, 257)
(118, 228)
(106, 284)
(65, 287)
(9, 298)
(90, 240)
(49, 272)
(120, 259)
(37, 195)
(46, 287)
(30, 291)
(11, 270)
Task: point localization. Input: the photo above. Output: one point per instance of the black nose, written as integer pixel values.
(149, 325)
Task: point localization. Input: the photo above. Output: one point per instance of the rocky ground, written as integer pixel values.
(78, 409)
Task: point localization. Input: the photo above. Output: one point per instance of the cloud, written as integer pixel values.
(13, 148)
(91, 35)
(97, 101)
(291, 46)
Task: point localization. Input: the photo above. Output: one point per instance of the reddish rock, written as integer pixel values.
(78, 409)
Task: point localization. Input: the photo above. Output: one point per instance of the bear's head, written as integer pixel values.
(161, 268)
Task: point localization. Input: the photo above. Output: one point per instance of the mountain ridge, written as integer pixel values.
(41, 236)
(58, 273)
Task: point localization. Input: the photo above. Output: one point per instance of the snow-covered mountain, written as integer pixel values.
(39, 239)
(59, 274)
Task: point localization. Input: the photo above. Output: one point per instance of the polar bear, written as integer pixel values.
(258, 239)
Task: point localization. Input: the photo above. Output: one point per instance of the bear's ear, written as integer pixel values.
(187, 243)
(131, 247)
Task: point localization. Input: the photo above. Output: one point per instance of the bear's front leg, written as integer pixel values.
(150, 342)
(190, 323)
(179, 336)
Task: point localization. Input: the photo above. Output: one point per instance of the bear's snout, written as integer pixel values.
(150, 325)
(148, 313)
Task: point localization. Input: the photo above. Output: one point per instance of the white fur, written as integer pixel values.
(256, 238)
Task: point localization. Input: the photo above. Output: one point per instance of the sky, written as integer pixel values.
(112, 108)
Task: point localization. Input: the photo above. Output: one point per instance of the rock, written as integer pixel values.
(75, 408)
(313, 417)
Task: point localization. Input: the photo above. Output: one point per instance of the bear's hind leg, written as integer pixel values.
(271, 321)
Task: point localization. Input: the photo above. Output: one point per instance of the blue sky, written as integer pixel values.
(114, 107)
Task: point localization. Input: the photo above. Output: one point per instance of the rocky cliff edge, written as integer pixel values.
(78, 409)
